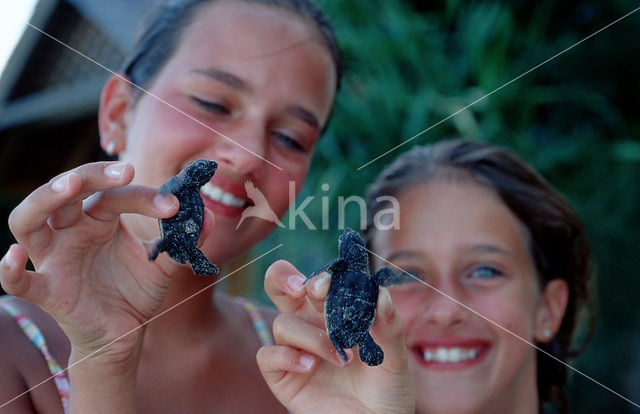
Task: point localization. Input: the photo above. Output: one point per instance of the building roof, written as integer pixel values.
(45, 80)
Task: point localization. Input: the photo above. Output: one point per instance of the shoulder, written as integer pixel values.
(17, 349)
(54, 336)
(22, 366)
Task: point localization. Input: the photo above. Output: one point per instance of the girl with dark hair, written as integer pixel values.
(247, 83)
(502, 266)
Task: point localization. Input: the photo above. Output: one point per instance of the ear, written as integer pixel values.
(115, 103)
(551, 309)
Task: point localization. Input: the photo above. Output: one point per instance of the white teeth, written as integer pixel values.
(442, 354)
(216, 193)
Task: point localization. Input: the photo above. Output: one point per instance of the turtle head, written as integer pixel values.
(351, 247)
(197, 173)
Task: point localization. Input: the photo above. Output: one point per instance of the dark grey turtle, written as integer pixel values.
(350, 306)
(179, 234)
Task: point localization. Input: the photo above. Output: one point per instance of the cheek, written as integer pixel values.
(513, 312)
(283, 186)
(408, 305)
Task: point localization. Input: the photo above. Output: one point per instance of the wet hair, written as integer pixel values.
(163, 27)
(557, 241)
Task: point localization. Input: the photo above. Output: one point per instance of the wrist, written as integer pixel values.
(103, 380)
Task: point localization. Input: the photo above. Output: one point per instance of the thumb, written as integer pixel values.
(18, 281)
(388, 331)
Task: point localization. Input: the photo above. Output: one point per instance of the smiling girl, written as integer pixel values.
(502, 265)
(247, 83)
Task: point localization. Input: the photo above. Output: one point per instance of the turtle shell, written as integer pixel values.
(350, 308)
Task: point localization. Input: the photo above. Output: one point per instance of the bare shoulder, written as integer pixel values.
(22, 366)
(54, 336)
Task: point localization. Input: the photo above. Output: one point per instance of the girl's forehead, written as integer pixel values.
(245, 19)
(455, 213)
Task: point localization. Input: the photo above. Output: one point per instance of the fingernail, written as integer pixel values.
(321, 284)
(61, 184)
(115, 170)
(163, 202)
(386, 306)
(306, 361)
(295, 282)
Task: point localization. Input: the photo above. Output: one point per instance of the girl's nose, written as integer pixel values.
(243, 151)
(444, 307)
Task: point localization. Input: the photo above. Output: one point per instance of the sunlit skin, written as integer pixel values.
(460, 238)
(266, 83)
(264, 78)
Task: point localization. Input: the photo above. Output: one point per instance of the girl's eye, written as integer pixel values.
(211, 106)
(288, 142)
(485, 272)
(413, 275)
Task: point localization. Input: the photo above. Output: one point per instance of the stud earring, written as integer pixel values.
(111, 148)
(546, 333)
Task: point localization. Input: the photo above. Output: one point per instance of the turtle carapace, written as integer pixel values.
(350, 306)
(179, 234)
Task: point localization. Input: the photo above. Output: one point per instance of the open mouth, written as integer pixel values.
(217, 194)
(450, 357)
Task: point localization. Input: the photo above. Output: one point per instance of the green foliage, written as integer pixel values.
(574, 117)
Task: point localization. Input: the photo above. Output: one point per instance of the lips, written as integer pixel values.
(450, 353)
(218, 194)
(224, 197)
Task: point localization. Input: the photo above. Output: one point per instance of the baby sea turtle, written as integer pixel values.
(179, 234)
(350, 306)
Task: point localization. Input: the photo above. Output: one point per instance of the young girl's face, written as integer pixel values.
(260, 76)
(461, 239)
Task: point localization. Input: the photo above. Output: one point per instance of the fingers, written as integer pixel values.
(293, 331)
(317, 289)
(59, 201)
(388, 332)
(19, 282)
(284, 285)
(108, 205)
(275, 361)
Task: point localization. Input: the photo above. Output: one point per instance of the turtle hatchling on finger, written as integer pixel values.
(350, 306)
(179, 234)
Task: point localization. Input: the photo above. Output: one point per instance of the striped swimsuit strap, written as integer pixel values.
(258, 322)
(34, 334)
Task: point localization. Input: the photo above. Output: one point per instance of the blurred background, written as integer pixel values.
(409, 64)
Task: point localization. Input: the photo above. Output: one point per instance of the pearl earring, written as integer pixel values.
(111, 148)
(546, 333)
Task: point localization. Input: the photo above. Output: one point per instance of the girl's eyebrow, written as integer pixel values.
(490, 248)
(304, 115)
(235, 82)
(403, 254)
(225, 77)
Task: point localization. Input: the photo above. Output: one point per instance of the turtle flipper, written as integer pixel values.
(334, 266)
(157, 249)
(201, 265)
(336, 343)
(370, 352)
(388, 277)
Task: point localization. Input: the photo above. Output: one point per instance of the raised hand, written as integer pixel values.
(92, 274)
(303, 369)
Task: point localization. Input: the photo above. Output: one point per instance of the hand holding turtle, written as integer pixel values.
(305, 371)
(91, 274)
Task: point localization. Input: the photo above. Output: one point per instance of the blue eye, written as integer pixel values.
(485, 272)
(288, 141)
(211, 106)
